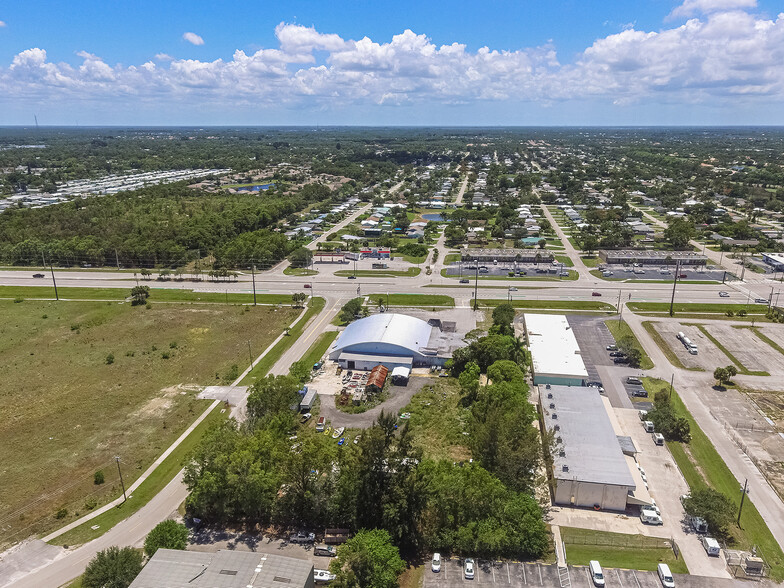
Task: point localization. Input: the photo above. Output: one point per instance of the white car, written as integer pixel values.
(435, 565)
(468, 568)
(649, 517)
(724, 294)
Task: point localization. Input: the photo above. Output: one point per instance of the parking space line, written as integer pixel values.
(541, 582)
(634, 574)
(508, 576)
(617, 573)
(522, 567)
(492, 569)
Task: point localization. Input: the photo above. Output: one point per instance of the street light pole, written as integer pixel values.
(674, 283)
(253, 275)
(117, 459)
(742, 496)
(476, 287)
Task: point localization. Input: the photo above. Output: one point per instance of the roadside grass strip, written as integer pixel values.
(550, 304)
(619, 330)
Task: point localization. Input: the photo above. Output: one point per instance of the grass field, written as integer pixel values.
(620, 329)
(565, 259)
(156, 295)
(619, 550)
(666, 349)
(702, 466)
(548, 304)
(438, 420)
(381, 273)
(319, 347)
(162, 475)
(451, 258)
(416, 299)
(85, 381)
(260, 370)
(573, 275)
(299, 271)
(590, 261)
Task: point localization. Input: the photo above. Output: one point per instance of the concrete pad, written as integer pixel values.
(775, 332)
(752, 352)
(26, 557)
(709, 357)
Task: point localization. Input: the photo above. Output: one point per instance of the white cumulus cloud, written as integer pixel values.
(693, 7)
(719, 57)
(193, 38)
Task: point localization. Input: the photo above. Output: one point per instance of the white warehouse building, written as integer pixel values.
(389, 339)
(555, 353)
(590, 468)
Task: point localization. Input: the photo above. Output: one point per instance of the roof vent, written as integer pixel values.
(565, 468)
(562, 453)
(555, 416)
(547, 386)
(552, 405)
(549, 395)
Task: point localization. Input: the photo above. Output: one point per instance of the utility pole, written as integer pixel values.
(476, 287)
(742, 496)
(253, 275)
(674, 283)
(620, 308)
(250, 354)
(672, 379)
(770, 298)
(54, 282)
(117, 259)
(117, 459)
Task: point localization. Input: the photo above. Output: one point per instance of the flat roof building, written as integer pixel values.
(555, 353)
(775, 260)
(651, 257)
(589, 467)
(507, 255)
(223, 569)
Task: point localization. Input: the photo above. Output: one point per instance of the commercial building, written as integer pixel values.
(391, 340)
(507, 255)
(589, 466)
(223, 569)
(554, 350)
(651, 257)
(774, 260)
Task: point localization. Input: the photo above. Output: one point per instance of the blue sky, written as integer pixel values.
(305, 62)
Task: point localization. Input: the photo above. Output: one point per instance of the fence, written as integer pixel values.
(616, 540)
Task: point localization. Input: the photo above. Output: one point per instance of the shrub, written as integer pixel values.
(110, 359)
(17, 300)
(61, 514)
(114, 567)
(98, 478)
(167, 535)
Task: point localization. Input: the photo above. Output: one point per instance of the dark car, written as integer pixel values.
(352, 277)
(464, 281)
(621, 360)
(593, 384)
(306, 286)
(617, 354)
(39, 276)
(640, 393)
(596, 293)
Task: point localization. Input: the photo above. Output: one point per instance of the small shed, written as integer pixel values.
(400, 376)
(307, 401)
(378, 375)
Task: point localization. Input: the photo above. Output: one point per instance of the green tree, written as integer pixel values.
(732, 371)
(114, 567)
(679, 232)
(628, 346)
(301, 257)
(367, 560)
(351, 310)
(590, 244)
(713, 506)
(167, 534)
(720, 375)
(270, 397)
(298, 299)
(503, 316)
(140, 294)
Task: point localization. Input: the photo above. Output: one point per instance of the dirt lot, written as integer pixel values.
(709, 356)
(752, 352)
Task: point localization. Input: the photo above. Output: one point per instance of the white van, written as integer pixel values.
(665, 575)
(643, 414)
(711, 546)
(658, 438)
(649, 517)
(596, 573)
(648, 426)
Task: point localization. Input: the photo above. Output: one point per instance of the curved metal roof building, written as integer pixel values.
(386, 334)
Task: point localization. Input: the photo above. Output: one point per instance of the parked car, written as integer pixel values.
(617, 353)
(634, 380)
(711, 546)
(699, 525)
(724, 294)
(665, 576)
(649, 517)
(640, 393)
(612, 348)
(643, 414)
(325, 550)
(435, 565)
(468, 568)
(302, 537)
(594, 384)
(658, 438)
(597, 574)
(305, 418)
(596, 293)
(620, 360)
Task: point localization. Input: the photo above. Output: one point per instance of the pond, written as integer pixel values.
(433, 217)
(256, 188)
(530, 240)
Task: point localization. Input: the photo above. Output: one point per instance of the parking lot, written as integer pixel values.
(593, 336)
(708, 357)
(620, 272)
(752, 352)
(467, 270)
(535, 574)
